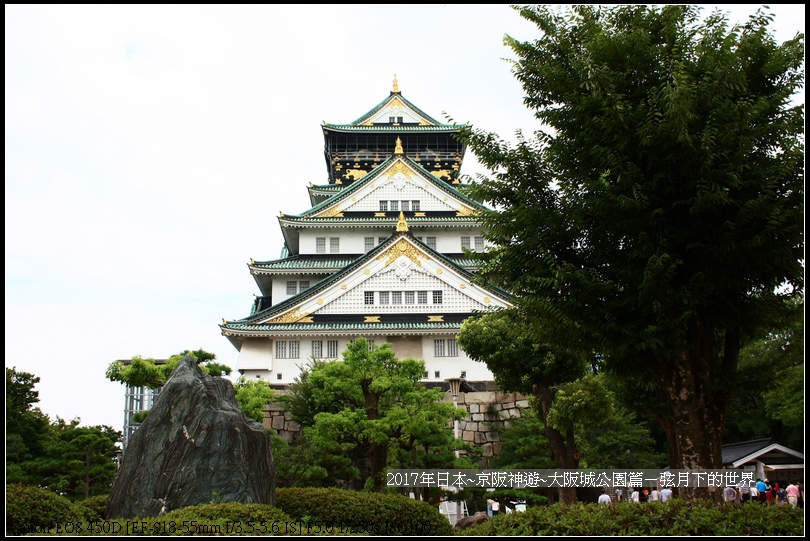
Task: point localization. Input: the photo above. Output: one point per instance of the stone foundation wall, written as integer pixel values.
(488, 413)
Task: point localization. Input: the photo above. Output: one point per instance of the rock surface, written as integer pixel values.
(196, 446)
(466, 522)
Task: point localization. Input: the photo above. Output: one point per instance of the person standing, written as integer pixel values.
(634, 495)
(792, 494)
(655, 495)
(729, 494)
(666, 494)
(768, 492)
(762, 488)
(604, 499)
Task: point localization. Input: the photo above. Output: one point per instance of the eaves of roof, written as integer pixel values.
(450, 190)
(237, 326)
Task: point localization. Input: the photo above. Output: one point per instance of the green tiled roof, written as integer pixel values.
(377, 171)
(381, 219)
(342, 326)
(302, 262)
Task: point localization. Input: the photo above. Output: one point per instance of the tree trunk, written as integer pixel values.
(698, 387)
(563, 447)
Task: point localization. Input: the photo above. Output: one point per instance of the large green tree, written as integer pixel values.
(26, 425)
(360, 411)
(657, 216)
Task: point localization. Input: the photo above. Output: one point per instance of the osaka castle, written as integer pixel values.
(380, 254)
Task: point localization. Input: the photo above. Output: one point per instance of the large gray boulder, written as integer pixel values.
(196, 446)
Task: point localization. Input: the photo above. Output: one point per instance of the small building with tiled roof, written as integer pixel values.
(381, 253)
(766, 459)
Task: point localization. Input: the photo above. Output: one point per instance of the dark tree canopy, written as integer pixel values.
(659, 218)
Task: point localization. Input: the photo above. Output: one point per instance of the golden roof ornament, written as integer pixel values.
(398, 148)
(402, 225)
(396, 85)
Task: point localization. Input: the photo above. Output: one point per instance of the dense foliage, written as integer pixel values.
(675, 518)
(657, 217)
(361, 413)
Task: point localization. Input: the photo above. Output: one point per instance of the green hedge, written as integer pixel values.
(336, 511)
(673, 518)
(31, 509)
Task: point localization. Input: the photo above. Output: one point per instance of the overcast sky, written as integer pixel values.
(150, 149)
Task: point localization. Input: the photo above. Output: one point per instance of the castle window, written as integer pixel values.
(334, 245)
(437, 374)
(465, 243)
(331, 348)
(380, 240)
(278, 376)
(431, 242)
(292, 287)
(396, 297)
(421, 297)
(445, 348)
(320, 245)
(437, 297)
(281, 349)
(395, 205)
(405, 205)
(317, 348)
(479, 244)
(368, 297)
(383, 206)
(409, 297)
(303, 284)
(369, 243)
(414, 206)
(383, 297)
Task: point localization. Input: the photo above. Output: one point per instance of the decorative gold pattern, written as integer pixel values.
(441, 173)
(464, 210)
(379, 214)
(344, 287)
(371, 319)
(367, 271)
(334, 212)
(435, 319)
(398, 147)
(402, 225)
(399, 167)
(291, 317)
(396, 84)
(439, 271)
(419, 214)
(320, 301)
(486, 300)
(463, 286)
(402, 247)
(355, 174)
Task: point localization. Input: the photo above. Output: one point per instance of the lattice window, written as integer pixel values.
(292, 287)
(383, 206)
(409, 297)
(452, 348)
(303, 284)
(334, 245)
(317, 348)
(431, 242)
(371, 346)
(437, 297)
(380, 240)
(281, 349)
(396, 297)
(479, 244)
(421, 297)
(295, 349)
(465, 242)
(394, 205)
(437, 375)
(438, 348)
(279, 376)
(368, 297)
(332, 349)
(384, 297)
(368, 243)
(320, 245)
(415, 205)
(405, 206)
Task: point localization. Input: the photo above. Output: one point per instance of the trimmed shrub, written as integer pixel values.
(674, 518)
(91, 509)
(334, 511)
(31, 509)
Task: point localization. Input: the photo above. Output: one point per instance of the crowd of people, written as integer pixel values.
(762, 491)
